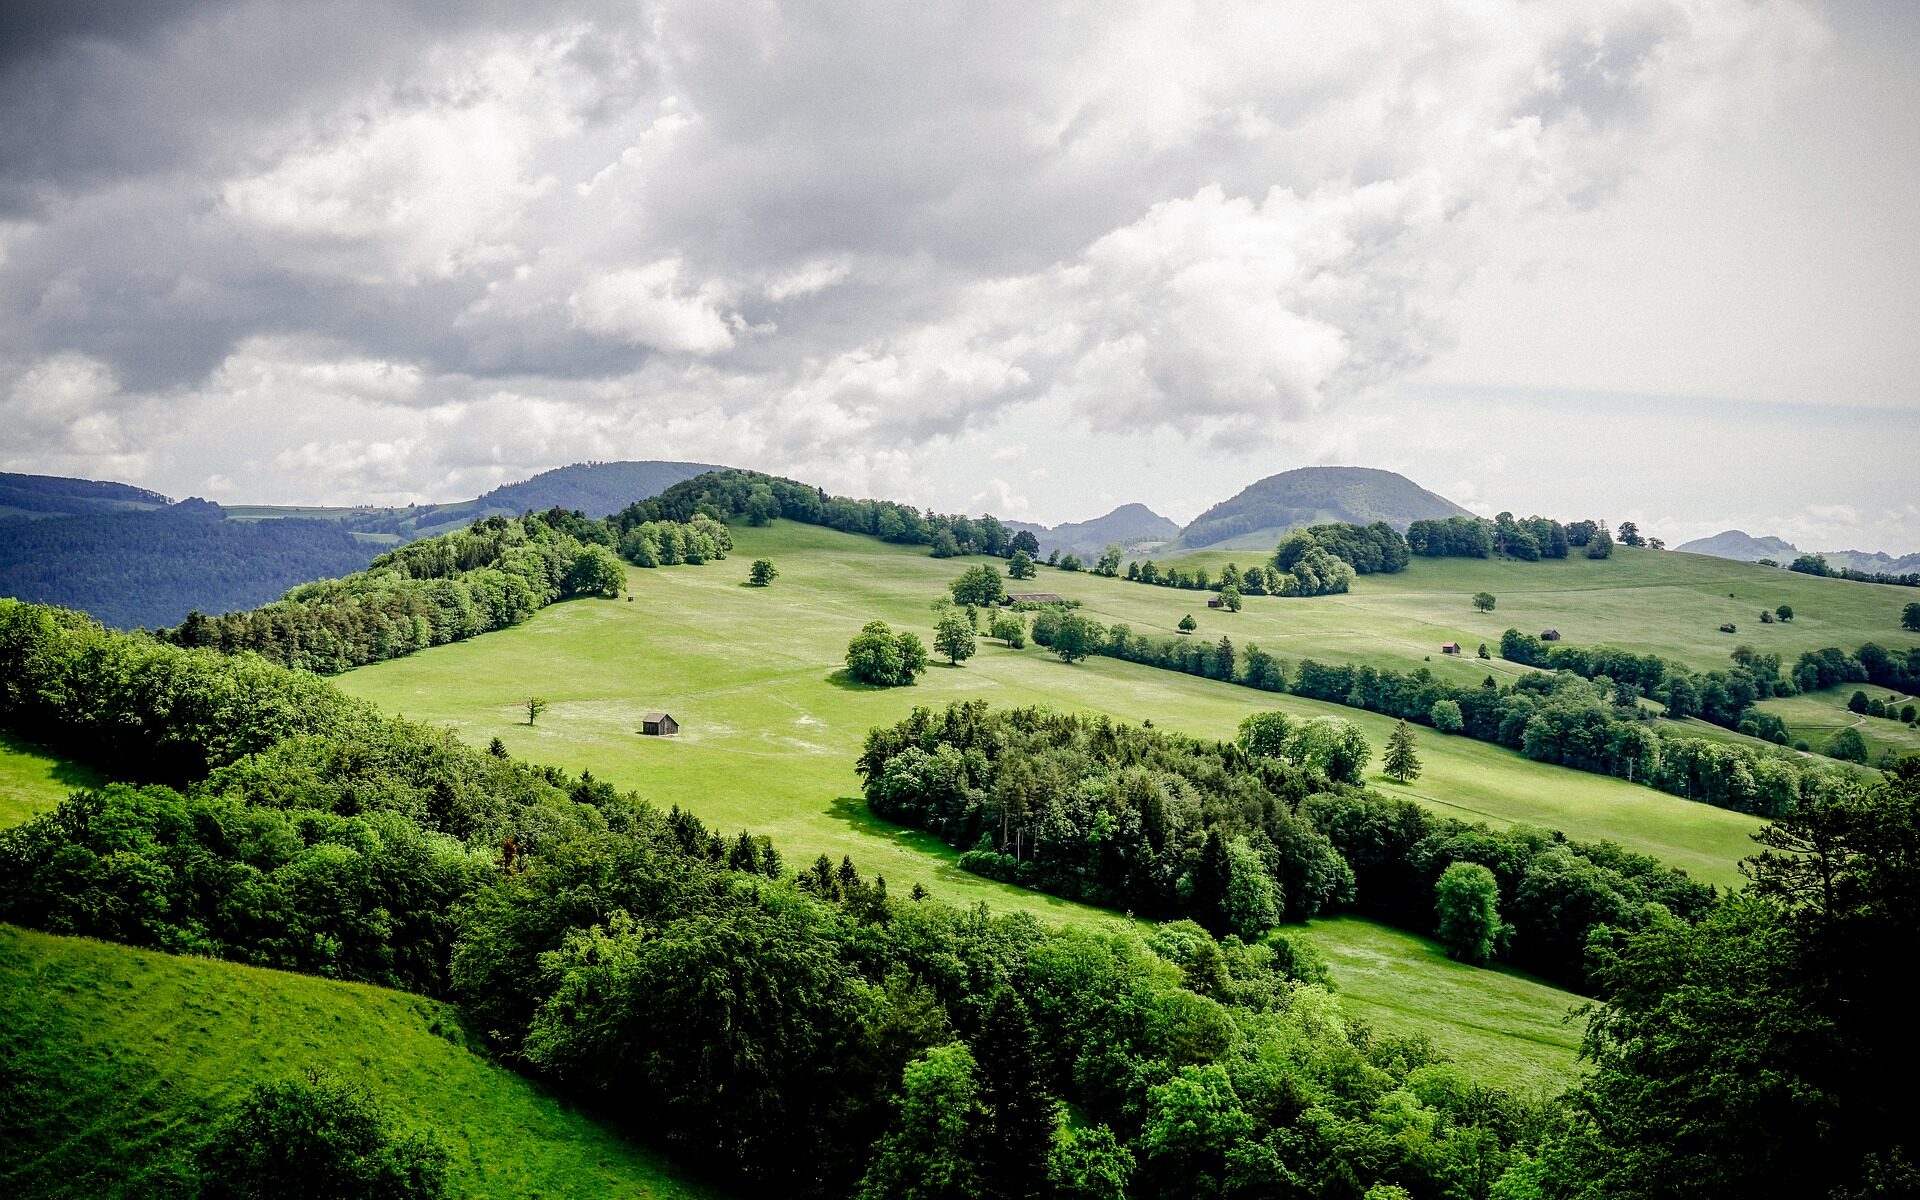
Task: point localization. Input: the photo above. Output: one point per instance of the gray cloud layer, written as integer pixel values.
(330, 250)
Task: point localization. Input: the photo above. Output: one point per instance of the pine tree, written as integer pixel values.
(1402, 764)
(1018, 1131)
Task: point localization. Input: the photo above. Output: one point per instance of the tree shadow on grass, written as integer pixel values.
(844, 680)
(71, 774)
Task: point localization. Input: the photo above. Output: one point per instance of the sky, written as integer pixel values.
(1646, 260)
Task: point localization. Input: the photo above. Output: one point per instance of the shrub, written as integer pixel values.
(316, 1137)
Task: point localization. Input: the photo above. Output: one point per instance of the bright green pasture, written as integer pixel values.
(115, 1062)
(1659, 602)
(1814, 717)
(33, 781)
(1497, 1020)
(770, 728)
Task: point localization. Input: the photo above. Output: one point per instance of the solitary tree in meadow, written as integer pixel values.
(1401, 764)
(1009, 628)
(1784, 612)
(535, 706)
(978, 586)
(1483, 601)
(1847, 746)
(1910, 617)
(1187, 624)
(761, 573)
(1467, 902)
(1230, 597)
(1020, 566)
(954, 637)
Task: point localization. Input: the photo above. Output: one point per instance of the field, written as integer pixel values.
(1814, 717)
(770, 729)
(1658, 602)
(114, 1062)
(32, 781)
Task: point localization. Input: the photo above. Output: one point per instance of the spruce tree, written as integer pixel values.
(1402, 764)
(1017, 1134)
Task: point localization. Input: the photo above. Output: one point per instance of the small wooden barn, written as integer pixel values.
(1215, 602)
(1450, 647)
(659, 724)
(1033, 598)
(1549, 635)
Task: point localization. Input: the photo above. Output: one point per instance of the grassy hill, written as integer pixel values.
(1263, 511)
(114, 1062)
(1126, 525)
(771, 729)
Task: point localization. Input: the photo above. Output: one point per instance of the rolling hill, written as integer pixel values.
(55, 495)
(1262, 512)
(1129, 525)
(1740, 546)
(116, 1062)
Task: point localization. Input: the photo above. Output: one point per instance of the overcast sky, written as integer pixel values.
(1649, 259)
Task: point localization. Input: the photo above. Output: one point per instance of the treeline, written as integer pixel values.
(813, 1036)
(1316, 561)
(758, 499)
(493, 575)
(1559, 718)
(1725, 698)
(1529, 539)
(1817, 564)
(1236, 836)
(149, 569)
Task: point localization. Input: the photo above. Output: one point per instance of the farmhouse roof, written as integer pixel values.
(657, 716)
(1036, 598)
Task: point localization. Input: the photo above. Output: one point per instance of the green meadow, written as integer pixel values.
(115, 1062)
(771, 727)
(33, 781)
(1652, 602)
(1814, 717)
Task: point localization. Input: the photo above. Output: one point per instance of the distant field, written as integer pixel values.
(114, 1062)
(1659, 602)
(33, 781)
(1814, 717)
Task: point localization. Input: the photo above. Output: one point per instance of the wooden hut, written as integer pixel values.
(1450, 647)
(1215, 602)
(659, 724)
(1549, 635)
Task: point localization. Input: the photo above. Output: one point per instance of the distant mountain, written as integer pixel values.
(1873, 562)
(1259, 515)
(1739, 545)
(54, 495)
(151, 566)
(1129, 525)
(131, 557)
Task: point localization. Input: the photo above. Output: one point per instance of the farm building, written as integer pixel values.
(1450, 647)
(1215, 602)
(1549, 635)
(1033, 598)
(659, 724)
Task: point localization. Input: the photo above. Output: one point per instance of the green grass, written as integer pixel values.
(1513, 1031)
(114, 1063)
(1659, 602)
(32, 781)
(771, 729)
(1814, 717)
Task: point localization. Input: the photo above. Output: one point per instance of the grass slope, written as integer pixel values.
(771, 729)
(33, 781)
(1659, 602)
(114, 1062)
(1817, 716)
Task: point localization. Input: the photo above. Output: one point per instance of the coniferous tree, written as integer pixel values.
(1020, 1116)
(1401, 764)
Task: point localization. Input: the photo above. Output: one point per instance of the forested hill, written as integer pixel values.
(1260, 514)
(151, 567)
(596, 489)
(53, 495)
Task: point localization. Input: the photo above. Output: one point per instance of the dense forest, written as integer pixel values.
(1237, 836)
(133, 568)
(818, 1036)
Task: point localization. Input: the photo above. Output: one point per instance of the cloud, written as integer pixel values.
(473, 235)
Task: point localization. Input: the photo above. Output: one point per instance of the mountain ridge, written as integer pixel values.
(1260, 513)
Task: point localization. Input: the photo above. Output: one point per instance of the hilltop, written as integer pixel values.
(1128, 525)
(1262, 512)
(57, 495)
(1740, 546)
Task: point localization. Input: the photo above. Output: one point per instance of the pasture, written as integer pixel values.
(1814, 717)
(33, 781)
(115, 1062)
(771, 727)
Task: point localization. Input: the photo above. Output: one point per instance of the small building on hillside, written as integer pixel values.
(659, 724)
(1449, 647)
(1033, 598)
(1216, 602)
(1549, 635)
(1728, 628)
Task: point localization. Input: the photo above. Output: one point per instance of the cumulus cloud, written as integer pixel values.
(817, 236)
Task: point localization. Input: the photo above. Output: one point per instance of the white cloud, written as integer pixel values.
(648, 306)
